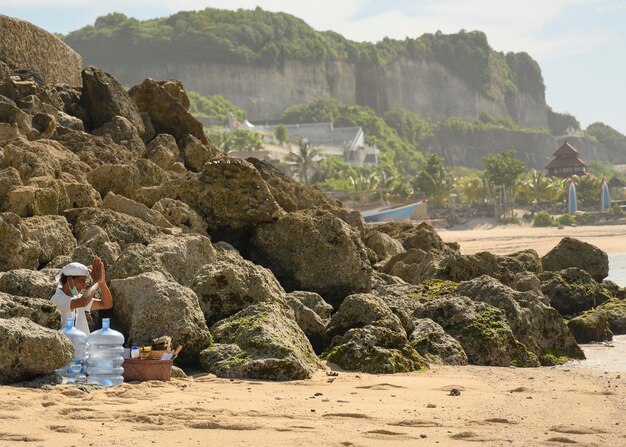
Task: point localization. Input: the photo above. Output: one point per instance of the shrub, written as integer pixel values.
(585, 219)
(616, 211)
(543, 219)
(567, 219)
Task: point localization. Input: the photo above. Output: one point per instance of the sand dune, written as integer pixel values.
(446, 406)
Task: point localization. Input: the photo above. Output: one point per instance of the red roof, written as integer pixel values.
(566, 149)
(565, 161)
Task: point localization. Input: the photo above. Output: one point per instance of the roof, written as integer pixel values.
(325, 134)
(565, 161)
(616, 183)
(566, 149)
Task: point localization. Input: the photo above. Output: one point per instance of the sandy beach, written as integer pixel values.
(496, 406)
(504, 239)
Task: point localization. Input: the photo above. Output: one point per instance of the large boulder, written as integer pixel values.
(149, 306)
(38, 310)
(261, 342)
(124, 133)
(195, 153)
(17, 249)
(481, 329)
(53, 236)
(311, 320)
(363, 309)
(178, 257)
(167, 113)
(571, 252)
(30, 283)
(590, 326)
(616, 314)
(28, 350)
(435, 345)
(534, 323)
(572, 291)
(162, 150)
(375, 350)
(382, 244)
(231, 283)
(121, 178)
(181, 215)
(314, 250)
(422, 236)
(127, 206)
(104, 98)
(291, 195)
(96, 242)
(95, 150)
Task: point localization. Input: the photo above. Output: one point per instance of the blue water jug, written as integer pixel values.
(75, 371)
(104, 365)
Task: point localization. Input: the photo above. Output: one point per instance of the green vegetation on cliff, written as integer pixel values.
(559, 122)
(214, 106)
(269, 38)
(614, 141)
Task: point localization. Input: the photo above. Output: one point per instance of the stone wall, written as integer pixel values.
(24, 45)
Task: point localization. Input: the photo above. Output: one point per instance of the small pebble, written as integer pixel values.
(423, 436)
(431, 406)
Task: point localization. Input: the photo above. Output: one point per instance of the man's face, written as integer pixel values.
(80, 282)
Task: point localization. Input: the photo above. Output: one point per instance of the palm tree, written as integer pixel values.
(474, 189)
(304, 159)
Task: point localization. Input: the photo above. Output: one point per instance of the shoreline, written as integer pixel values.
(506, 239)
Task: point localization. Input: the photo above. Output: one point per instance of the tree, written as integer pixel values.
(304, 159)
(435, 181)
(474, 189)
(587, 190)
(503, 170)
(538, 188)
(281, 133)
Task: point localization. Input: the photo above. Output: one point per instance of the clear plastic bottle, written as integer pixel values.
(106, 346)
(74, 372)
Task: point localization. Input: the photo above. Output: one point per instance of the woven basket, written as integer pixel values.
(138, 370)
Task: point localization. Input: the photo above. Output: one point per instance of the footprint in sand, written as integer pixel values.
(19, 438)
(346, 415)
(384, 432)
(521, 389)
(452, 387)
(380, 386)
(63, 429)
(562, 440)
(415, 423)
(576, 430)
(216, 425)
(470, 436)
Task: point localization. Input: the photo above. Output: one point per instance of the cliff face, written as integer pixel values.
(24, 45)
(535, 149)
(422, 86)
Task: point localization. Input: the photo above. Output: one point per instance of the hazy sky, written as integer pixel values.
(579, 44)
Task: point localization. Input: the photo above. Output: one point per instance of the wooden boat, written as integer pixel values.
(387, 213)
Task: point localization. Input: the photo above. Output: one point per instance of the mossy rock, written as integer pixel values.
(481, 329)
(375, 350)
(615, 310)
(435, 345)
(570, 291)
(590, 326)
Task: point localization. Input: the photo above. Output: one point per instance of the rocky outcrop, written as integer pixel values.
(312, 314)
(30, 283)
(590, 326)
(148, 306)
(571, 252)
(19, 250)
(382, 244)
(435, 345)
(37, 310)
(572, 291)
(315, 251)
(28, 350)
(261, 342)
(420, 237)
(26, 45)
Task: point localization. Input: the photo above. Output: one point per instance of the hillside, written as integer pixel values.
(265, 62)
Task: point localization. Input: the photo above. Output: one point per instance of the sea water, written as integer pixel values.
(608, 356)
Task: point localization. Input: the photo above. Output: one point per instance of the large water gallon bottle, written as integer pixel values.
(74, 372)
(104, 365)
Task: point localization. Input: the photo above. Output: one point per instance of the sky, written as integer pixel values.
(579, 44)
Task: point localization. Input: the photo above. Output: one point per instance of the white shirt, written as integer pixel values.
(62, 302)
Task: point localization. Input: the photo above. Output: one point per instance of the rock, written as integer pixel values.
(291, 195)
(150, 174)
(435, 345)
(104, 98)
(481, 329)
(45, 124)
(421, 236)
(166, 112)
(571, 252)
(527, 282)
(95, 150)
(37, 310)
(230, 284)
(178, 257)
(315, 251)
(123, 205)
(178, 373)
(312, 324)
(314, 302)
(30, 283)
(375, 350)
(615, 310)
(383, 245)
(196, 153)
(351, 217)
(117, 178)
(96, 242)
(361, 310)
(9, 132)
(53, 236)
(123, 132)
(17, 249)
(261, 342)
(570, 291)
(28, 350)
(590, 326)
(533, 322)
(149, 306)
(181, 215)
(11, 114)
(175, 88)
(162, 150)
(9, 179)
(120, 228)
(82, 195)
(408, 264)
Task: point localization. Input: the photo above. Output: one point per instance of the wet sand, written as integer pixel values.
(495, 407)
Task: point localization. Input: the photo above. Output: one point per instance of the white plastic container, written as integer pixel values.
(104, 365)
(74, 372)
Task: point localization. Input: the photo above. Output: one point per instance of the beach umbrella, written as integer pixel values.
(571, 198)
(605, 199)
